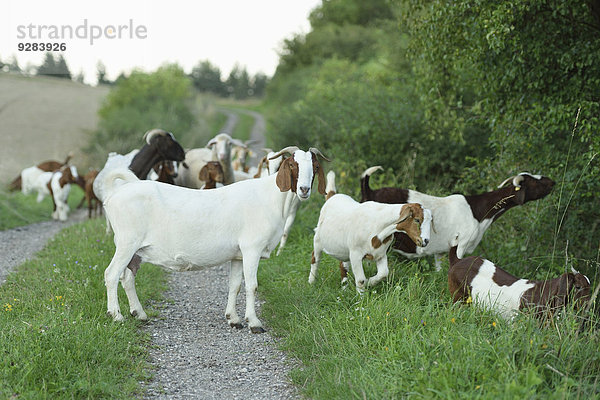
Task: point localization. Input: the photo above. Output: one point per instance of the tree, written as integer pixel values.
(259, 84)
(238, 83)
(62, 70)
(207, 78)
(48, 66)
(101, 74)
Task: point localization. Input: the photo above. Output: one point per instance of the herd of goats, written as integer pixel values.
(157, 204)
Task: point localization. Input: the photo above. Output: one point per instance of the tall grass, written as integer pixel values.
(405, 338)
(57, 341)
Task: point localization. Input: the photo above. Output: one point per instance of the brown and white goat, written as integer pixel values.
(59, 187)
(466, 216)
(351, 231)
(211, 174)
(492, 288)
(26, 181)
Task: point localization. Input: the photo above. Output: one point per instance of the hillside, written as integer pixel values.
(44, 118)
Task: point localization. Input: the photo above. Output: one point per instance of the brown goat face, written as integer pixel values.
(410, 219)
(571, 288)
(533, 189)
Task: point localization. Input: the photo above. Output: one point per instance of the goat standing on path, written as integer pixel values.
(187, 229)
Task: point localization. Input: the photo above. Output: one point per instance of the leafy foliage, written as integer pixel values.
(141, 102)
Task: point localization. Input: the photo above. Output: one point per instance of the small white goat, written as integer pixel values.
(351, 231)
(185, 229)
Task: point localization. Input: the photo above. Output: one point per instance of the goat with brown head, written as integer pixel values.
(297, 172)
(211, 174)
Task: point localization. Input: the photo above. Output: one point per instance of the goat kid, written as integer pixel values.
(351, 231)
(467, 216)
(59, 187)
(211, 173)
(186, 229)
(492, 288)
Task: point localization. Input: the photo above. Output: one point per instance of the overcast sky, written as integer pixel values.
(225, 32)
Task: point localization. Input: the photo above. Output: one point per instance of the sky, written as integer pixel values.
(127, 34)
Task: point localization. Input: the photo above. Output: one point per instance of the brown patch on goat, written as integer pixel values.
(343, 272)
(312, 258)
(212, 173)
(89, 195)
(552, 294)
(287, 176)
(375, 242)
(330, 194)
(461, 274)
(134, 264)
(387, 239)
(368, 257)
(410, 219)
(318, 171)
(494, 204)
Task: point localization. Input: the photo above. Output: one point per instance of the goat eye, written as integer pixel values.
(418, 221)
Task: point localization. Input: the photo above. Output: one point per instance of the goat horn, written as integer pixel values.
(573, 270)
(153, 132)
(238, 142)
(316, 151)
(517, 181)
(289, 149)
(505, 181)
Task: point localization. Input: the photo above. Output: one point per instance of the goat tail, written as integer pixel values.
(330, 188)
(364, 181)
(112, 180)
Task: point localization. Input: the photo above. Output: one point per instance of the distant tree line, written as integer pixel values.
(206, 77)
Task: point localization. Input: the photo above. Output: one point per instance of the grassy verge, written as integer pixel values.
(57, 341)
(405, 338)
(17, 209)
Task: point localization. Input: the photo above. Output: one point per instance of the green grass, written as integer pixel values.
(57, 341)
(405, 338)
(17, 209)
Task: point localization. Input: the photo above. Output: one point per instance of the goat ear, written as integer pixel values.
(406, 212)
(203, 175)
(320, 174)
(284, 176)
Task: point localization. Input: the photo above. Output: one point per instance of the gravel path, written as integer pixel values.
(196, 355)
(18, 245)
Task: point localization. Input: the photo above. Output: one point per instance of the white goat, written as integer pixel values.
(351, 231)
(185, 229)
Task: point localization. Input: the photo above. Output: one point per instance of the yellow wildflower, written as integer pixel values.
(469, 300)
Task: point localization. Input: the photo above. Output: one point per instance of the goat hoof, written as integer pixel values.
(236, 325)
(118, 317)
(141, 315)
(257, 329)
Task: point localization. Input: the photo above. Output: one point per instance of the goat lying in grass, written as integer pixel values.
(492, 288)
(186, 229)
(352, 231)
(467, 216)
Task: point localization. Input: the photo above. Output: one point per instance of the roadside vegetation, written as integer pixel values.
(57, 341)
(447, 97)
